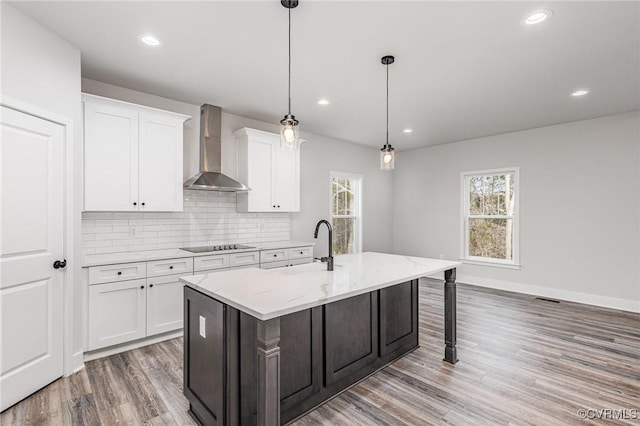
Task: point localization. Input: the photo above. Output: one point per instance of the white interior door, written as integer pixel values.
(31, 239)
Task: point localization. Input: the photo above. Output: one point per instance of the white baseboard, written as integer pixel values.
(75, 363)
(112, 350)
(552, 293)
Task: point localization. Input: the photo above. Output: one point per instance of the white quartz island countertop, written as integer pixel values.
(266, 294)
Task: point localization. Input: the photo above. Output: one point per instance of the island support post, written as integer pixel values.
(268, 340)
(450, 353)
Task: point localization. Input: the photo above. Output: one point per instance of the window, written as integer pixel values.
(346, 212)
(490, 216)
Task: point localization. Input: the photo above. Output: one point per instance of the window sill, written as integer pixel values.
(492, 264)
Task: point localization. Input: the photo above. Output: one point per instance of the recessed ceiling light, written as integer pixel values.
(149, 40)
(323, 102)
(580, 92)
(407, 130)
(538, 16)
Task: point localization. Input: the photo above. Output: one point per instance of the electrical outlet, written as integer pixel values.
(441, 257)
(133, 231)
(203, 327)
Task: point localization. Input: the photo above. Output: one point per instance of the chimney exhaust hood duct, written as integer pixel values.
(210, 177)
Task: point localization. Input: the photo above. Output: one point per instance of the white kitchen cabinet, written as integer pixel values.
(273, 174)
(132, 157)
(164, 304)
(278, 258)
(116, 313)
(146, 303)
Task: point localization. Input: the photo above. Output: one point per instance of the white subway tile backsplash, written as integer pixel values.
(208, 218)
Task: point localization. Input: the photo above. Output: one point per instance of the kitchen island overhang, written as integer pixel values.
(265, 346)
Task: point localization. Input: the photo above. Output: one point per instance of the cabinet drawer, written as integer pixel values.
(298, 252)
(113, 273)
(273, 265)
(170, 267)
(244, 259)
(300, 261)
(205, 263)
(273, 255)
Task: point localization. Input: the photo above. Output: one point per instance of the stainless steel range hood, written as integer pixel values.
(210, 177)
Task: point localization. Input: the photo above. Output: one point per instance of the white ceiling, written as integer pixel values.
(463, 69)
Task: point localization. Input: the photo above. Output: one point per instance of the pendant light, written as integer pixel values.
(289, 125)
(387, 155)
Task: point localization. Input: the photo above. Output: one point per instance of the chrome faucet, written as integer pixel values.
(328, 259)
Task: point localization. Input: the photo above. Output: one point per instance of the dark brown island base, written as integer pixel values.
(241, 370)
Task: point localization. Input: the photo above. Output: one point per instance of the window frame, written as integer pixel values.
(358, 204)
(514, 263)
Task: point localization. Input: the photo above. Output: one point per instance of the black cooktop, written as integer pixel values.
(222, 247)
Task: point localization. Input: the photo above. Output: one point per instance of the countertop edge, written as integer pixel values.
(182, 253)
(282, 312)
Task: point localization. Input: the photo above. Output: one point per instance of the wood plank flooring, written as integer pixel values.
(523, 361)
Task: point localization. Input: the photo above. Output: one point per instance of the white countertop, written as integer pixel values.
(147, 255)
(267, 294)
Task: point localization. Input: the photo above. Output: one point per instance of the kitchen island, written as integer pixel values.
(266, 346)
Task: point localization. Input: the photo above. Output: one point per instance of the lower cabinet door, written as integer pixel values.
(164, 304)
(116, 313)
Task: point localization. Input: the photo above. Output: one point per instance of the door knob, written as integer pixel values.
(59, 264)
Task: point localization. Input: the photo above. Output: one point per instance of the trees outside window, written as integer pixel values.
(346, 212)
(490, 216)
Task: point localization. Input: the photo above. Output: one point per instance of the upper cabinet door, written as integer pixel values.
(132, 157)
(261, 164)
(287, 180)
(160, 163)
(272, 174)
(110, 158)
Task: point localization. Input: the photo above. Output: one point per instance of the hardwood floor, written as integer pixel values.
(523, 361)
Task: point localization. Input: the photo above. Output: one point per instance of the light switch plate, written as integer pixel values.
(203, 327)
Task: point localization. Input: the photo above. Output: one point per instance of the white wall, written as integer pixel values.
(42, 69)
(318, 156)
(579, 208)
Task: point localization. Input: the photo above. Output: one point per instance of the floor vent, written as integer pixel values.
(544, 299)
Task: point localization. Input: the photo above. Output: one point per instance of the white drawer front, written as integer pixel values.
(205, 263)
(170, 267)
(113, 273)
(243, 259)
(272, 265)
(300, 261)
(298, 252)
(273, 255)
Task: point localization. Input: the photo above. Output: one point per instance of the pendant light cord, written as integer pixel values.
(289, 92)
(387, 104)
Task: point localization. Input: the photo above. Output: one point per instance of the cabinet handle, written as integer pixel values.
(143, 204)
(119, 273)
(135, 204)
(171, 267)
(278, 206)
(150, 285)
(275, 255)
(274, 206)
(301, 252)
(141, 287)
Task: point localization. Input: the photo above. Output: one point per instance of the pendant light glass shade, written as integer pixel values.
(387, 157)
(387, 153)
(289, 137)
(289, 126)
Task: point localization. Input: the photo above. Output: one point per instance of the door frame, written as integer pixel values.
(72, 362)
